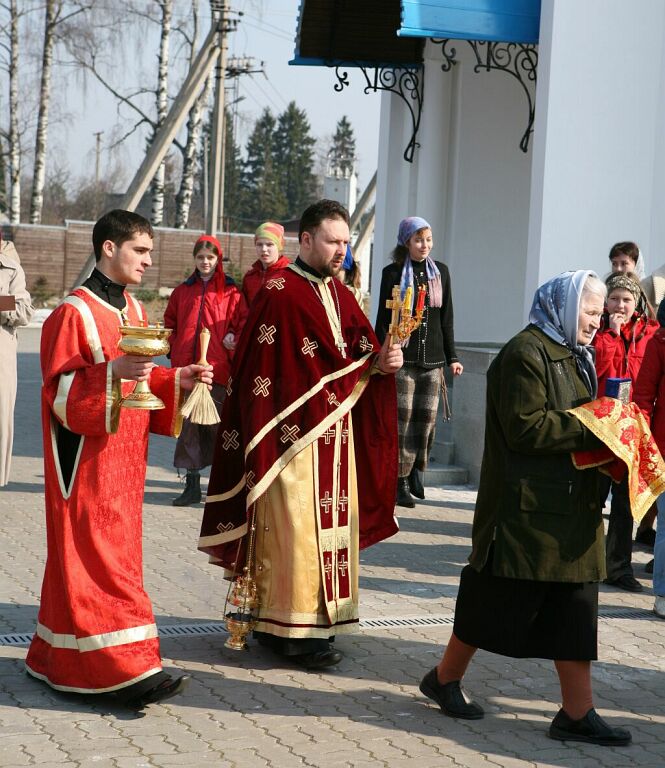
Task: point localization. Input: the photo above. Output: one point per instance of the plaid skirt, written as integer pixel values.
(196, 443)
(418, 392)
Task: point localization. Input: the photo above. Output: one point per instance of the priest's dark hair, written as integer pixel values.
(118, 226)
(316, 213)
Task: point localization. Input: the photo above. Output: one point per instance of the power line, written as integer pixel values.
(281, 34)
(286, 32)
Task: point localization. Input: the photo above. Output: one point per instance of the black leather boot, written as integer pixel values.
(192, 493)
(416, 484)
(404, 498)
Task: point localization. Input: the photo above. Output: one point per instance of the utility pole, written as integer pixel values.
(241, 65)
(215, 210)
(98, 152)
(235, 66)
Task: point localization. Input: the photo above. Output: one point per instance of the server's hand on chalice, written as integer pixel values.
(132, 367)
(192, 374)
(390, 358)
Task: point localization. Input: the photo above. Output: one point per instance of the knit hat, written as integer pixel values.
(272, 231)
(622, 281)
(212, 240)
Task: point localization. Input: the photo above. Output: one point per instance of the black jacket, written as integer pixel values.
(432, 345)
(541, 512)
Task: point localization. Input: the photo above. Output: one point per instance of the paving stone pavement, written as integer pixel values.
(250, 709)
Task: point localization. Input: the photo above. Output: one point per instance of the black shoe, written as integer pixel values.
(404, 498)
(451, 697)
(163, 691)
(591, 728)
(627, 582)
(416, 484)
(647, 537)
(648, 568)
(192, 493)
(318, 659)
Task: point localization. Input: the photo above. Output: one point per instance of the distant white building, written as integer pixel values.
(341, 185)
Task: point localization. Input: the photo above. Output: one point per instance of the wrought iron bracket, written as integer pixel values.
(408, 84)
(516, 59)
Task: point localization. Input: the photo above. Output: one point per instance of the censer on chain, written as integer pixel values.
(242, 598)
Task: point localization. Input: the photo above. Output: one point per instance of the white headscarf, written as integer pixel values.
(556, 310)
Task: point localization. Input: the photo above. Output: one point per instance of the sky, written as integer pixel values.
(267, 32)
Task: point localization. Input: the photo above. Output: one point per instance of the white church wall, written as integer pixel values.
(470, 180)
(598, 151)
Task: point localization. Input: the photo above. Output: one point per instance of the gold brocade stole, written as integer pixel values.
(331, 489)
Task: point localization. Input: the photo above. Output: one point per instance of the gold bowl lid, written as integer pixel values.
(156, 331)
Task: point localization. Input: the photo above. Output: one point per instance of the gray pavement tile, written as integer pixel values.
(252, 709)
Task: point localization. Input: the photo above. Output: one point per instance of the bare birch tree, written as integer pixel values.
(14, 134)
(52, 9)
(166, 8)
(55, 14)
(190, 152)
(10, 46)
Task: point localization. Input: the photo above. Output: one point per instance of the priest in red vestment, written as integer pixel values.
(307, 447)
(96, 632)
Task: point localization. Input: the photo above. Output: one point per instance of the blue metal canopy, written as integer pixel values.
(508, 21)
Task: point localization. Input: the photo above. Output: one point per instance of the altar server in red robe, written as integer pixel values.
(308, 441)
(269, 244)
(96, 632)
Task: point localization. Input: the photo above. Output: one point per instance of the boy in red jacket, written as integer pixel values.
(269, 243)
(620, 344)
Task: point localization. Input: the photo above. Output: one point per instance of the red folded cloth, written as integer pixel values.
(628, 446)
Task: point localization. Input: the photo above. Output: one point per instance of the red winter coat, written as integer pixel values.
(649, 390)
(218, 306)
(620, 356)
(256, 276)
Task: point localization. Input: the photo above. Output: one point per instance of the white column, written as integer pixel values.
(432, 156)
(391, 188)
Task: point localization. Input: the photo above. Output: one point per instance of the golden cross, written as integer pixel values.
(395, 306)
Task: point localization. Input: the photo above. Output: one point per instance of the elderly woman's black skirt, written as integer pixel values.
(527, 619)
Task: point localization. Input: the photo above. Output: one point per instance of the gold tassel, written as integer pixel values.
(199, 407)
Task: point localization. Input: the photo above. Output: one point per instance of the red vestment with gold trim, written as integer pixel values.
(292, 388)
(96, 630)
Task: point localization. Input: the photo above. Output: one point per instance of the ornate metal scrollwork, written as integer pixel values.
(517, 59)
(405, 83)
(449, 56)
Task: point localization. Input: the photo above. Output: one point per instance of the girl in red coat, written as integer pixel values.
(620, 344)
(269, 244)
(207, 299)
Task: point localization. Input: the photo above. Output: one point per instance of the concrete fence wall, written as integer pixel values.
(57, 253)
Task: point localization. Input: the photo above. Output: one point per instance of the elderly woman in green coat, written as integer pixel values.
(531, 587)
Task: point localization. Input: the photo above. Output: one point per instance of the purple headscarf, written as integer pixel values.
(407, 228)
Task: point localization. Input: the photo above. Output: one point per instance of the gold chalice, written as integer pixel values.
(145, 341)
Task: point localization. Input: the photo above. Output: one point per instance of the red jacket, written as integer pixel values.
(256, 276)
(218, 306)
(649, 390)
(620, 356)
